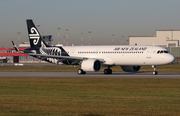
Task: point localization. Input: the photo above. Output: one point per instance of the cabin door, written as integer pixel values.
(72, 52)
(148, 54)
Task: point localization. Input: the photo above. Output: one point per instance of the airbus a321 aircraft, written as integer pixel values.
(92, 58)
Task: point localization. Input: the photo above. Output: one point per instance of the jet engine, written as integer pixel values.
(131, 68)
(91, 65)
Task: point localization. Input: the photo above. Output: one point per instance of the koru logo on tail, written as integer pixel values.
(34, 35)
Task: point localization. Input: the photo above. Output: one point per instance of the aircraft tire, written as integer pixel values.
(155, 72)
(107, 71)
(80, 71)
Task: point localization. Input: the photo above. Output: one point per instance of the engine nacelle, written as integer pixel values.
(131, 68)
(91, 65)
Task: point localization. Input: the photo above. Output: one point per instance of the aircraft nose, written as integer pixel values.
(171, 58)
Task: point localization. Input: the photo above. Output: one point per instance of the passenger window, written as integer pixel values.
(161, 51)
(158, 52)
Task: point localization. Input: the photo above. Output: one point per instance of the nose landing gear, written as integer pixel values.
(154, 72)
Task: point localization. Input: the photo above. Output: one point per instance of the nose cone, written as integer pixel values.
(170, 58)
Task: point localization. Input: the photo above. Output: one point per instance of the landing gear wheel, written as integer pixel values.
(80, 71)
(107, 71)
(155, 72)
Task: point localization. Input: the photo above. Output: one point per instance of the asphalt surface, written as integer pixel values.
(90, 75)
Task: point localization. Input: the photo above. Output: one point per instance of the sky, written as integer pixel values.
(102, 17)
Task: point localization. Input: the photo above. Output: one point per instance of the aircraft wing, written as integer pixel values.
(42, 56)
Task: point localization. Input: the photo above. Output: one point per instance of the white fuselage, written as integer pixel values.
(123, 55)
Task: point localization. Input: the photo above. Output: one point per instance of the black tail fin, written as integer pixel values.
(35, 38)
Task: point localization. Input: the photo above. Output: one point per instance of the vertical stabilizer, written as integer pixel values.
(35, 38)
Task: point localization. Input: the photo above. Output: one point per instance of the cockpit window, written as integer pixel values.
(165, 51)
(162, 51)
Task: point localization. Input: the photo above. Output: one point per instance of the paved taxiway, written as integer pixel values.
(90, 74)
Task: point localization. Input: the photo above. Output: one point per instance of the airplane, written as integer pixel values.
(92, 58)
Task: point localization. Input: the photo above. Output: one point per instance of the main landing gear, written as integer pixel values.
(154, 72)
(80, 71)
(108, 71)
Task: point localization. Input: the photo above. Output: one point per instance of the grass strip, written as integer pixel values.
(89, 96)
